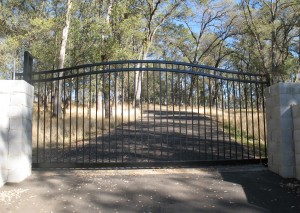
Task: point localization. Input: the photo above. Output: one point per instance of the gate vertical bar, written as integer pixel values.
(204, 106)
(148, 113)
(57, 117)
(264, 118)
(186, 116)
(83, 117)
(192, 108)
(229, 122)
(96, 122)
(173, 109)
(70, 121)
(211, 119)
(234, 117)
(103, 115)
(38, 125)
(77, 103)
(215, 104)
(180, 118)
(128, 112)
(135, 88)
(109, 116)
(198, 117)
(141, 114)
(50, 117)
(252, 119)
(167, 115)
(116, 116)
(63, 119)
(160, 114)
(154, 112)
(90, 112)
(223, 120)
(122, 114)
(247, 120)
(241, 120)
(258, 120)
(217, 116)
(44, 116)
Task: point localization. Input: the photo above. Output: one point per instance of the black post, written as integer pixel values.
(28, 65)
(268, 79)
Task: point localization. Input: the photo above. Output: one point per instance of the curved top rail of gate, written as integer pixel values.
(149, 65)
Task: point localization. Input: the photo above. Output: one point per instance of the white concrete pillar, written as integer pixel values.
(16, 106)
(296, 135)
(280, 128)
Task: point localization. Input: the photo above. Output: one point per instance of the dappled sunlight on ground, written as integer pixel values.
(211, 189)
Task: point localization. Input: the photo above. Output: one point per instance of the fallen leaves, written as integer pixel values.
(293, 186)
(10, 195)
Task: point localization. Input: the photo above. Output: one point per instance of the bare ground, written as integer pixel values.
(250, 188)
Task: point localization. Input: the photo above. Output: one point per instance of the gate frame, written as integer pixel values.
(28, 76)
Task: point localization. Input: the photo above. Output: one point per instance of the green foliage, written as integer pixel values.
(252, 35)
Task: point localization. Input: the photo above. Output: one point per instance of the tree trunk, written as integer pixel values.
(139, 75)
(107, 107)
(151, 30)
(58, 91)
(106, 94)
(190, 98)
(106, 76)
(99, 102)
(138, 88)
(109, 9)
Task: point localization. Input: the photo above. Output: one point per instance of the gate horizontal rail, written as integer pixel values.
(170, 164)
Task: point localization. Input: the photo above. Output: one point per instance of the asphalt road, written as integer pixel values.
(247, 188)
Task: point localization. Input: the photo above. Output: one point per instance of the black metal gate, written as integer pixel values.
(131, 113)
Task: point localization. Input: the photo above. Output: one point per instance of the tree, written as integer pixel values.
(261, 36)
(61, 60)
(155, 14)
(202, 35)
(270, 25)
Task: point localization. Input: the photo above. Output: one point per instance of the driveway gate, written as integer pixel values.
(133, 113)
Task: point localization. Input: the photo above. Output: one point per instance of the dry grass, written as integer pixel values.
(241, 124)
(77, 124)
(80, 123)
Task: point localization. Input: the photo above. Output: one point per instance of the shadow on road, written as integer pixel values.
(211, 189)
(157, 136)
(265, 189)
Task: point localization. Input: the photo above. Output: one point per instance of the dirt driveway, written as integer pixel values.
(158, 136)
(250, 188)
